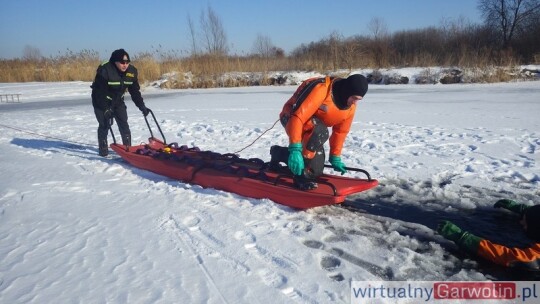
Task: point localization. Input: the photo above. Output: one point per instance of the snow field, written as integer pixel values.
(75, 227)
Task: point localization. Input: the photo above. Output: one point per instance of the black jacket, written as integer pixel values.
(110, 85)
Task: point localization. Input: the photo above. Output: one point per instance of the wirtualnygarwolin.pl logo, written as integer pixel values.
(398, 292)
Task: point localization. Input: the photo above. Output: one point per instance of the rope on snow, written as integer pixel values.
(46, 136)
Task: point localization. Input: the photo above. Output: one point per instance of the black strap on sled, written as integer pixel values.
(157, 124)
(230, 163)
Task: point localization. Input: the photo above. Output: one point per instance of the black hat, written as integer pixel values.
(532, 216)
(344, 88)
(118, 55)
(356, 85)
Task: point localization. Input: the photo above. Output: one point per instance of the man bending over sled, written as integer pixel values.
(317, 104)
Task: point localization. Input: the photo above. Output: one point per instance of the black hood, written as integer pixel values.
(342, 89)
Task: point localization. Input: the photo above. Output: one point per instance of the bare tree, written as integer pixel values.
(214, 37)
(263, 46)
(380, 46)
(508, 16)
(351, 51)
(31, 53)
(378, 28)
(192, 33)
(335, 42)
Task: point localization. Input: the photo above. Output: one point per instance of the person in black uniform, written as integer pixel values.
(112, 79)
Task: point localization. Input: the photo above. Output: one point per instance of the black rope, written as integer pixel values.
(93, 145)
(47, 136)
(257, 138)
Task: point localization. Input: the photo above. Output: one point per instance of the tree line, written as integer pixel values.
(509, 35)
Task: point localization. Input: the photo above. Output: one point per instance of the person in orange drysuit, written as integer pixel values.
(523, 258)
(317, 104)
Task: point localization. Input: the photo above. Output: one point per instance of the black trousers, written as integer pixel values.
(121, 118)
(314, 166)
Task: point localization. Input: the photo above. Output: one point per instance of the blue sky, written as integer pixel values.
(54, 26)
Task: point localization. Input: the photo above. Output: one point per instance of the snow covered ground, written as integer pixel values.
(78, 228)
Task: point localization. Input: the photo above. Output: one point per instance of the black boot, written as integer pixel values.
(126, 140)
(278, 155)
(303, 183)
(315, 166)
(103, 148)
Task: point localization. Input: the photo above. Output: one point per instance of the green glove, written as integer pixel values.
(450, 231)
(337, 164)
(296, 160)
(511, 205)
(463, 239)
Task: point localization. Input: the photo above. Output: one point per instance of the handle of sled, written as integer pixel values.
(110, 122)
(353, 169)
(157, 124)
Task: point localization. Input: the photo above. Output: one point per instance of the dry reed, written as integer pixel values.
(207, 71)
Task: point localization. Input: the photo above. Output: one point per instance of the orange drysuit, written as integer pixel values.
(318, 103)
(528, 258)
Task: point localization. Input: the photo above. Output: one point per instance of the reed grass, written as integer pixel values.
(206, 71)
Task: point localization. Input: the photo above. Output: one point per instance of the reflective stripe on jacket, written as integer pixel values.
(110, 85)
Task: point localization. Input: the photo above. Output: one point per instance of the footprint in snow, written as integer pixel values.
(338, 277)
(530, 148)
(270, 278)
(191, 222)
(340, 254)
(314, 244)
(330, 263)
(248, 238)
(338, 235)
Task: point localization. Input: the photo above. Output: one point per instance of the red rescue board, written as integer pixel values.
(241, 177)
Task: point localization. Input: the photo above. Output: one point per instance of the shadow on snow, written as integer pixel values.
(499, 226)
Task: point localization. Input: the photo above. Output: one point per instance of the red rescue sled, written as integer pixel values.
(228, 172)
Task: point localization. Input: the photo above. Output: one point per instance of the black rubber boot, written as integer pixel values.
(315, 166)
(103, 148)
(303, 183)
(278, 155)
(126, 140)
